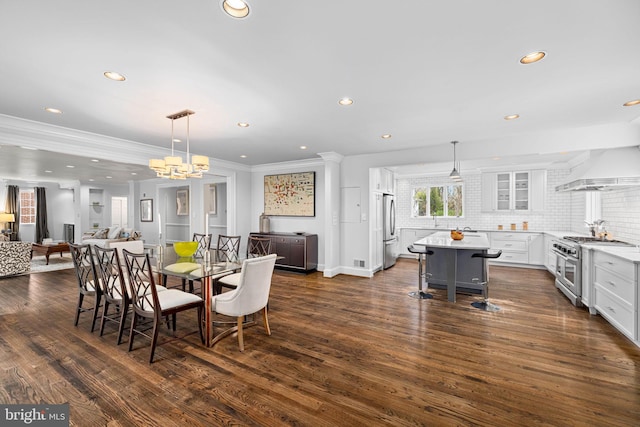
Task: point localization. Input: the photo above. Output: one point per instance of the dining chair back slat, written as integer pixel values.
(228, 248)
(204, 243)
(258, 246)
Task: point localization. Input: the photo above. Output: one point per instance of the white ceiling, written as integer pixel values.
(424, 72)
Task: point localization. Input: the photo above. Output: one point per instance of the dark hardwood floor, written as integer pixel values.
(345, 351)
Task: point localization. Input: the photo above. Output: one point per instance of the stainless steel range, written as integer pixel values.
(569, 263)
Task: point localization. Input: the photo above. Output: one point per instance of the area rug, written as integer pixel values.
(56, 262)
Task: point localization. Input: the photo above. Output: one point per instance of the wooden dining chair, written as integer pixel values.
(228, 248)
(88, 284)
(204, 244)
(150, 304)
(114, 288)
(258, 246)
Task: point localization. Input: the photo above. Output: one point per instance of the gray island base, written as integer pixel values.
(451, 263)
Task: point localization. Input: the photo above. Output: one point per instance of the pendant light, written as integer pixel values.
(455, 173)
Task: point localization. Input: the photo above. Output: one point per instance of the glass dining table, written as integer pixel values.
(203, 269)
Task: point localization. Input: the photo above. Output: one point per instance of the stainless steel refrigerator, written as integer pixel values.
(390, 238)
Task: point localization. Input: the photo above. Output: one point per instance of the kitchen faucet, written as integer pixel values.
(435, 222)
(596, 225)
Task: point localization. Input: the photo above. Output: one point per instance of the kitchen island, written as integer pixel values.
(451, 263)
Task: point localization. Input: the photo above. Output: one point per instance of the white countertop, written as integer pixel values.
(442, 239)
(628, 253)
(554, 233)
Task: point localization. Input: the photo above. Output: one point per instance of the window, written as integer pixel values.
(444, 201)
(419, 202)
(27, 207)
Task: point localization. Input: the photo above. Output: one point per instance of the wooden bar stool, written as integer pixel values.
(423, 273)
(484, 282)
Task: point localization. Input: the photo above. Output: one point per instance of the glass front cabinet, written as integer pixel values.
(513, 191)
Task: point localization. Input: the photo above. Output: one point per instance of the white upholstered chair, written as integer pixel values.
(256, 247)
(250, 296)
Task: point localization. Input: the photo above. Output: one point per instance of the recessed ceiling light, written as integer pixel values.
(345, 101)
(512, 117)
(91, 179)
(70, 166)
(236, 8)
(133, 173)
(386, 136)
(29, 148)
(630, 103)
(95, 160)
(177, 140)
(112, 75)
(48, 171)
(243, 156)
(243, 124)
(496, 158)
(303, 147)
(53, 110)
(108, 177)
(533, 57)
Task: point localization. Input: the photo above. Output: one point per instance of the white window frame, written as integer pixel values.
(35, 207)
(427, 189)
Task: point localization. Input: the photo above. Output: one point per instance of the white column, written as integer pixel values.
(332, 212)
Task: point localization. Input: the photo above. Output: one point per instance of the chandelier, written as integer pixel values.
(172, 166)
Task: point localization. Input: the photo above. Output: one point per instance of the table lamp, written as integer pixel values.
(6, 218)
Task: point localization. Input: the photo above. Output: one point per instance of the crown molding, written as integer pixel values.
(286, 166)
(43, 136)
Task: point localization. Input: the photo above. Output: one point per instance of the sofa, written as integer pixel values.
(15, 258)
(105, 236)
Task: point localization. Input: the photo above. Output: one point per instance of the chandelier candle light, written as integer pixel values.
(173, 167)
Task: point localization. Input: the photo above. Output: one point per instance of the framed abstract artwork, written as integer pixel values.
(291, 194)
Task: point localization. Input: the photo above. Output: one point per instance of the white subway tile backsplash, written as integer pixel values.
(621, 211)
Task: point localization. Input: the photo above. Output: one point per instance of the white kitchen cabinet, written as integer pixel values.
(519, 191)
(518, 248)
(382, 180)
(514, 247)
(615, 287)
(536, 249)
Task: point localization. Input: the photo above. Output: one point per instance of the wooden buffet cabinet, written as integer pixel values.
(299, 251)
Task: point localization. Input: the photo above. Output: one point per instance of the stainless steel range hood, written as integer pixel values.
(606, 170)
